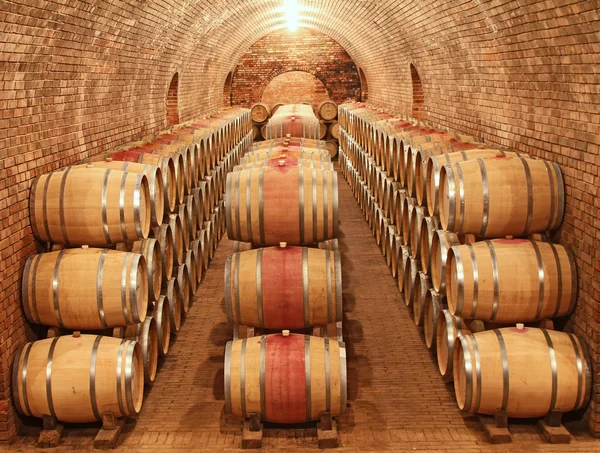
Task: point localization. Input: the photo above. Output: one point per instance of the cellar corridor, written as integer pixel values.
(397, 397)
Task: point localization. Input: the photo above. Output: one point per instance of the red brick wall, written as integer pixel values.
(295, 87)
(304, 50)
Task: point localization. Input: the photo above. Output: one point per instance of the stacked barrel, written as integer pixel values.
(260, 113)
(284, 275)
(463, 227)
(128, 238)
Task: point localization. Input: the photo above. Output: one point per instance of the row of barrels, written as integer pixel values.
(128, 298)
(456, 286)
(284, 274)
(327, 130)
(260, 112)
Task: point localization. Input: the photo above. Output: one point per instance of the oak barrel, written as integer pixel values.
(76, 379)
(172, 295)
(162, 316)
(501, 196)
(150, 250)
(85, 289)
(282, 204)
(146, 334)
(167, 167)
(259, 112)
(164, 236)
(285, 379)
(505, 368)
(433, 305)
(511, 280)
(283, 287)
(327, 110)
(155, 183)
(91, 206)
(428, 182)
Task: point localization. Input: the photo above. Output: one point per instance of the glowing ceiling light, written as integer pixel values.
(291, 10)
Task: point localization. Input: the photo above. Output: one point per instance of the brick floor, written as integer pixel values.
(398, 400)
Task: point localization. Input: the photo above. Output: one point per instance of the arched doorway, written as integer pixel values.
(418, 98)
(172, 101)
(295, 87)
(364, 86)
(227, 90)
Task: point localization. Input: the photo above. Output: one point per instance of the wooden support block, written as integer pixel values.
(327, 433)
(553, 430)
(494, 433)
(109, 433)
(554, 434)
(51, 432)
(252, 433)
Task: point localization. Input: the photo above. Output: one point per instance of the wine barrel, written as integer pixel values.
(198, 258)
(162, 316)
(184, 287)
(309, 154)
(164, 236)
(408, 210)
(327, 110)
(277, 143)
(448, 329)
(334, 130)
(285, 379)
(91, 206)
(204, 240)
(501, 196)
(333, 148)
(416, 220)
(200, 193)
(155, 183)
(85, 289)
(192, 206)
(167, 167)
(403, 266)
(192, 266)
(511, 281)
(150, 250)
(178, 237)
(421, 288)
(282, 204)
(173, 298)
(187, 229)
(395, 252)
(76, 379)
(178, 165)
(256, 132)
(259, 112)
(502, 368)
(430, 181)
(427, 229)
(433, 305)
(411, 273)
(441, 244)
(264, 132)
(146, 334)
(283, 287)
(322, 130)
(276, 162)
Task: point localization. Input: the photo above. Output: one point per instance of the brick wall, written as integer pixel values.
(77, 78)
(295, 87)
(282, 52)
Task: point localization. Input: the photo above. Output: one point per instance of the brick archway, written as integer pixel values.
(269, 78)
